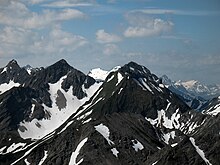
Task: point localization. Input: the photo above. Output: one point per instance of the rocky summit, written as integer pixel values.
(60, 116)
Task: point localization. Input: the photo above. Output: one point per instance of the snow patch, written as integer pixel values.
(115, 151)
(104, 131)
(120, 77)
(192, 127)
(33, 146)
(14, 147)
(213, 111)
(2, 149)
(4, 70)
(155, 163)
(199, 151)
(137, 145)
(120, 90)
(7, 86)
(162, 119)
(76, 153)
(145, 85)
(86, 121)
(161, 85)
(174, 144)
(32, 110)
(157, 88)
(26, 162)
(168, 135)
(84, 115)
(44, 158)
(110, 78)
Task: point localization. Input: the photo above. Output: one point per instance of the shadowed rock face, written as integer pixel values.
(15, 107)
(131, 119)
(60, 100)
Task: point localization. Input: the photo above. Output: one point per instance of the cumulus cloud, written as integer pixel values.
(145, 26)
(38, 34)
(18, 15)
(104, 37)
(17, 42)
(154, 27)
(59, 41)
(48, 18)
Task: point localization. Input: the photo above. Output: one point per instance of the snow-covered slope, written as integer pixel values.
(99, 74)
(64, 104)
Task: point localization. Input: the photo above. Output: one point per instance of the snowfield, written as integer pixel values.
(36, 129)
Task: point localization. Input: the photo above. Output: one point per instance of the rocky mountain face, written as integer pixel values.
(58, 115)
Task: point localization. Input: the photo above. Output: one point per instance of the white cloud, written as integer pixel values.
(36, 1)
(18, 15)
(17, 42)
(110, 49)
(48, 18)
(104, 37)
(156, 11)
(145, 26)
(33, 35)
(155, 27)
(70, 3)
(59, 41)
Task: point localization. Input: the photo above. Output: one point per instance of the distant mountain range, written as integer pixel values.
(194, 93)
(194, 88)
(59, 115)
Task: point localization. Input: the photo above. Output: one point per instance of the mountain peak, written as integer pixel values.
(28, 68)
(13, 64)
(62, 62)
(135, 66)
(190, 83)
(166, 80)
(13, 61)
(135, 70)
(60, 65)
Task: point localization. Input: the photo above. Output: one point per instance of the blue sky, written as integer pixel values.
(174, 37)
